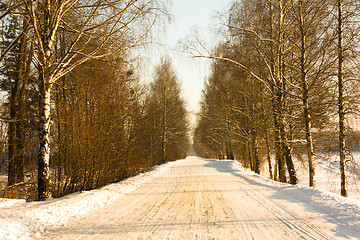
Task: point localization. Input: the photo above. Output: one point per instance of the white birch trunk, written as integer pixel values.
(44, 152)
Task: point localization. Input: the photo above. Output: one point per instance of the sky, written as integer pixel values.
(187, 16)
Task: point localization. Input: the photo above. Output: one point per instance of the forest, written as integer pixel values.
(284, 85)
(75, 113)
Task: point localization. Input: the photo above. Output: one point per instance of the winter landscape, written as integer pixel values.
(179, 119)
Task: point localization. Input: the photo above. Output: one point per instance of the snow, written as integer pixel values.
(29, 220)
(26, 220)
(327, 175)
(346, 211)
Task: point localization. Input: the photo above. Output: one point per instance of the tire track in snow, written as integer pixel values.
(287, 222)
(124, 211)
(274, 208)
(300, 226)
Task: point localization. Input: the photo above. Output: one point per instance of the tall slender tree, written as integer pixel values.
(171, 122)
(342, 129)
(310, 62)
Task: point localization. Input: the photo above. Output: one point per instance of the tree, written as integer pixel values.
(347, 32)
(96, 117)
(290, 48)
(275, 37)
(341, 98)
(310, 62)
(171, 124)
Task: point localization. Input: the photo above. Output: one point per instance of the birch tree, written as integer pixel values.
(347, 34)
(310, 62)
(171, 121)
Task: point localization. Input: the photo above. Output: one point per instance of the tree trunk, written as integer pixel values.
(229, 153)
(289, 161)
(309, 143)
(12, 133)
(276, 171)
(47, 30)
(44, 151)
(286, 150)
(60, 98)
(26, 55)
(11, 152)
(163, 142)
(280, 97)
(164, 122)
(250, 156)
(341, 102)
(305, 99)
(255, 152)
(268, 151)
(17, 112)
(279, 154)
(20, 141)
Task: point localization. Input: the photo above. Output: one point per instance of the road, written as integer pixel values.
(201, 199)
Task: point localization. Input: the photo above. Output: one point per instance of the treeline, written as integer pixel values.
(76, 115)
(285, 76)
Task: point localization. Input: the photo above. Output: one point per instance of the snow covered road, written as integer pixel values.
(208, 199)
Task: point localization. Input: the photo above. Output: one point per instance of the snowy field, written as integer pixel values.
(21, 220)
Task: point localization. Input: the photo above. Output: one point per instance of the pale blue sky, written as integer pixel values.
(187, 15)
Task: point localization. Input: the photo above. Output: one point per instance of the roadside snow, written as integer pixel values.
(327, 175)
(346, 211)
(25, 220)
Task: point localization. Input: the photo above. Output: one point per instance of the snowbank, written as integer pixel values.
(22, 220)
(342, 211)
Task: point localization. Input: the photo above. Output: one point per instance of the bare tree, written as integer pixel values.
(347, 34)
(171, 126)
(310, 61)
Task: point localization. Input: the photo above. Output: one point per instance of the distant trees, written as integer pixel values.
(281, 59)
(167, 111)
(67, 65)
(215, 130)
